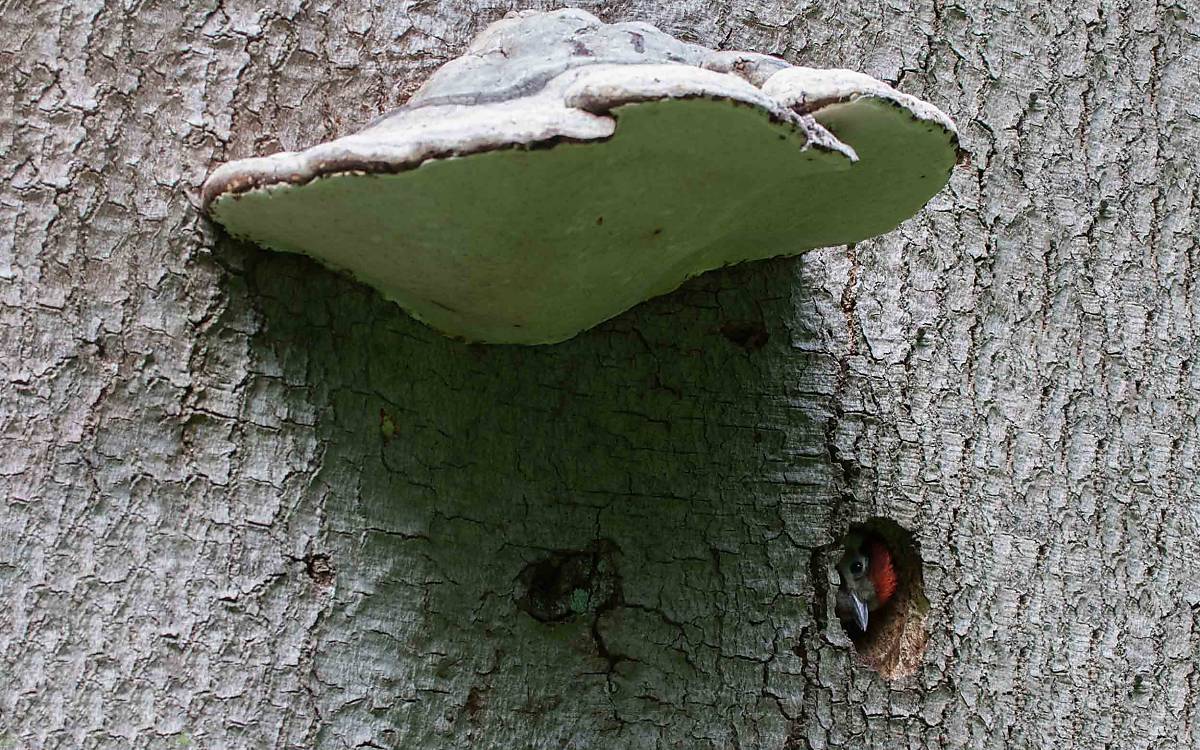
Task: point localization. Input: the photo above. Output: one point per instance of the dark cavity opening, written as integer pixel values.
(878, 566)
(568, 583)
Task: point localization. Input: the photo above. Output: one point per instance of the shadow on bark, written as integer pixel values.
(689, 434)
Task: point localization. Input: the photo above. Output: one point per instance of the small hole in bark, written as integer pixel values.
(319, 567)
(749, 336)
(569, 583)
(880, 583)
(474, 703)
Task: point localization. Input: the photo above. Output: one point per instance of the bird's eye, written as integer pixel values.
(856, 567)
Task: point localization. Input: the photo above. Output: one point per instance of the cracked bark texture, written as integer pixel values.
(248, 503)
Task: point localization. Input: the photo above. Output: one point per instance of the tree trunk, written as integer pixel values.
(249, 503)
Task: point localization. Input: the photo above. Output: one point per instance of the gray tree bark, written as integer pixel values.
(249, 503)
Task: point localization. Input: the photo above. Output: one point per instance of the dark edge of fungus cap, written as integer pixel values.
(563, 170)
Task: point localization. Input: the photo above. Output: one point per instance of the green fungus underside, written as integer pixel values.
(534, 245)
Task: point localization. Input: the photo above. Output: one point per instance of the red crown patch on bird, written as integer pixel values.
(882, 571)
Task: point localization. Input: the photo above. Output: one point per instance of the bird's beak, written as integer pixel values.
(860, 611)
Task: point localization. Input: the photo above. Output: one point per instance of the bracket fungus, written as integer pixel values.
(563, 170)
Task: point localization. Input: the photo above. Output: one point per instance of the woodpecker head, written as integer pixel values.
(868, 579)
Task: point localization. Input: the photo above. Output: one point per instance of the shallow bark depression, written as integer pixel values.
(249, 503)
